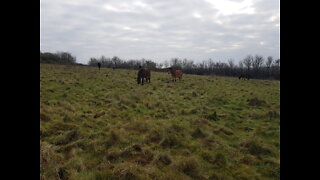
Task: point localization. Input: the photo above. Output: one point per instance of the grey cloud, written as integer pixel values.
(158, 30)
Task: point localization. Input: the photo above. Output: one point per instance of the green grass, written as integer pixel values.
(102, 125)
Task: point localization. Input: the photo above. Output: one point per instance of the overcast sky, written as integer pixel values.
(161, 29)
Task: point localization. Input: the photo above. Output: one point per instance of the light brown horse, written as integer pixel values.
(175, 74)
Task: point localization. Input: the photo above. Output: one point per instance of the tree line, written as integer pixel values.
(57, 58)
(257, 66)
(116, 62)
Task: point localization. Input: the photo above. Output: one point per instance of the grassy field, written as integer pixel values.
(103, 125)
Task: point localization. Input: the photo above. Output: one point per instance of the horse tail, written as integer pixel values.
(139, 76)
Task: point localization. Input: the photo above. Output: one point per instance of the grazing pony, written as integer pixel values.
(99, 66)
(143, 74)
(175, 74)
(244, 76)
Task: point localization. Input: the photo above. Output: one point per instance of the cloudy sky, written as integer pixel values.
(161, 29)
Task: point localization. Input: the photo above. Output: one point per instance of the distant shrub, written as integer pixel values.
(57, 58)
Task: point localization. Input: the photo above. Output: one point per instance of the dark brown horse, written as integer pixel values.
(143, 75)
(244, 76)
(175, 74)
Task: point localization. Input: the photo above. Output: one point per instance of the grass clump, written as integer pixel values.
(153, 137)
(198, 133)
(171, 141)
(164, 159)
(190, 167)
(68, 137)
(255, 148)
(50, 161)
(113, 139)
(220, 160)
(256, 102)
(44, 117)
(213, 116)
(105, 175)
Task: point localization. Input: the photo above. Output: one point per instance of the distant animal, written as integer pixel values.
(175, 74)
(143, 75)
(244, 76)
(99, 65)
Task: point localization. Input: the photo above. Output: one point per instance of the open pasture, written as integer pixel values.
(103, 125)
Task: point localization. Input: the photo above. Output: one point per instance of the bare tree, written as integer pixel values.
(231, 63)
(257, 63)
(277, 63)
(268, 64)
(241, 67)
(269, 61)
(116, 61)
(176, 63)
(211, 66)
(231, 67)
(247, 62)
(276, 67)
(166, 64)
(159, 66)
